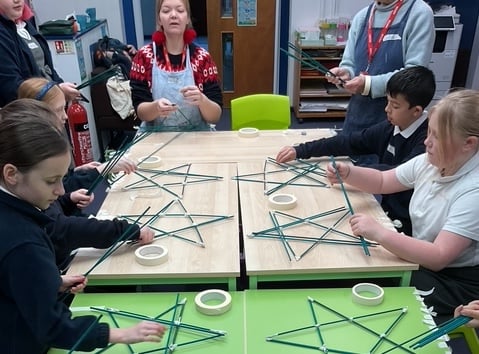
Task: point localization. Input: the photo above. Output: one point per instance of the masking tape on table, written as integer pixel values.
(150, 161)
(248, 132)
(151, 255)
(282, 201)
(203, 297)
(377, 291)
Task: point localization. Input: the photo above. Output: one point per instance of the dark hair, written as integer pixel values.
(28, 134)
(416, 84)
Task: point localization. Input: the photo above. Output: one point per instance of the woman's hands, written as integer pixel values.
(165, 107)
(70, 91)
(192, 95)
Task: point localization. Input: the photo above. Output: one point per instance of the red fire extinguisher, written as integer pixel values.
(79, 133)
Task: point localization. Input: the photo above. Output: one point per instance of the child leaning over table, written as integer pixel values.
(34, 156)
(443, 206)
(394, 141)
(67, 231)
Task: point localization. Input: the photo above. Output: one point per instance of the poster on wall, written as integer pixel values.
(247, 12)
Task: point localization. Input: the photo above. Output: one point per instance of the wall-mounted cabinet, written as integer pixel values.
(313, 95)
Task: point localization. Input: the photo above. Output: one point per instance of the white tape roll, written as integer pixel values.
(151, 255)
(150, 161)
(368, 294)
(248, 132)
(215, 295)
(282, 201)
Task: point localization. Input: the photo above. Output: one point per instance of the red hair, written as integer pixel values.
(27, 13)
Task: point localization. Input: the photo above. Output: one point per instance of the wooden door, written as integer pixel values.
(243, 51)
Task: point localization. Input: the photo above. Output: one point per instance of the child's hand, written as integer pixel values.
(286, 154)
(124, 164)
(80, 198)
(146, 236)
(341, 168)
(73, 283)
(470, 310)
(87, 166)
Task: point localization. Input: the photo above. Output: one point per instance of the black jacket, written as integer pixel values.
(18, 63)
(33, 318)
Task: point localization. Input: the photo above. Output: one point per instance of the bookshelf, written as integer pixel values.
(313, 95)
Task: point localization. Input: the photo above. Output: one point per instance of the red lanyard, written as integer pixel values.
(167, 58)
(373, 47)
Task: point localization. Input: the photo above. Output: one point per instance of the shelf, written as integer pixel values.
(314, 96)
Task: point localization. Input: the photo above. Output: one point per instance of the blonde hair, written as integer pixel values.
(186, 3)
(457, 117)
(31, 88)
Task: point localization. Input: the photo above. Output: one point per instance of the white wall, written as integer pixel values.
(109, 9)
(307, 13)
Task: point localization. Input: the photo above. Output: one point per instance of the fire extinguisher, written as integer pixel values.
(79, 133)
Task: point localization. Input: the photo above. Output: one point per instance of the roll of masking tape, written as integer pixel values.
(220, 298)
(368, 294)
(149, 255)
(282, 201)
(150, 161)
(248, 132)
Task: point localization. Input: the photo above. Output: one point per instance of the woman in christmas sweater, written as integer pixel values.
(174, 82)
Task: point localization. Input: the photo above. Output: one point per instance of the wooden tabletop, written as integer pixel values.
(283, 258)
(213, 200)
(223, 146)
(201, 172)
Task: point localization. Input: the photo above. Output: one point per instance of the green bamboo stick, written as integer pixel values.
(333, 161)
(84, 334)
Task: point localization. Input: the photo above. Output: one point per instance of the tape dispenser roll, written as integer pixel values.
(282, 201)
(150, 255)
(221, 296)
(150, 161)
(248, 132)
(367, 294)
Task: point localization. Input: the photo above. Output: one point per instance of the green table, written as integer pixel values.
(258, 314)
(272, 311)
(153, 304)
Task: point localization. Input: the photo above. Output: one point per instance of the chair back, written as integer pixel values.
(261, 111)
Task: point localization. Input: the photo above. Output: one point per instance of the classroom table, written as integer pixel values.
(256, 315)
(231, 156)
(223, 146)
(280, 258)
(199, 227)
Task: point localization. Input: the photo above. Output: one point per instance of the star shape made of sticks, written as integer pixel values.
(172, 318)
(176, 209)
(311, 173)
(150, 178)
(326, 335)
(277, 232)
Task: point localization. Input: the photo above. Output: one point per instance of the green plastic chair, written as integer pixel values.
(261, 111)
(470, 337)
